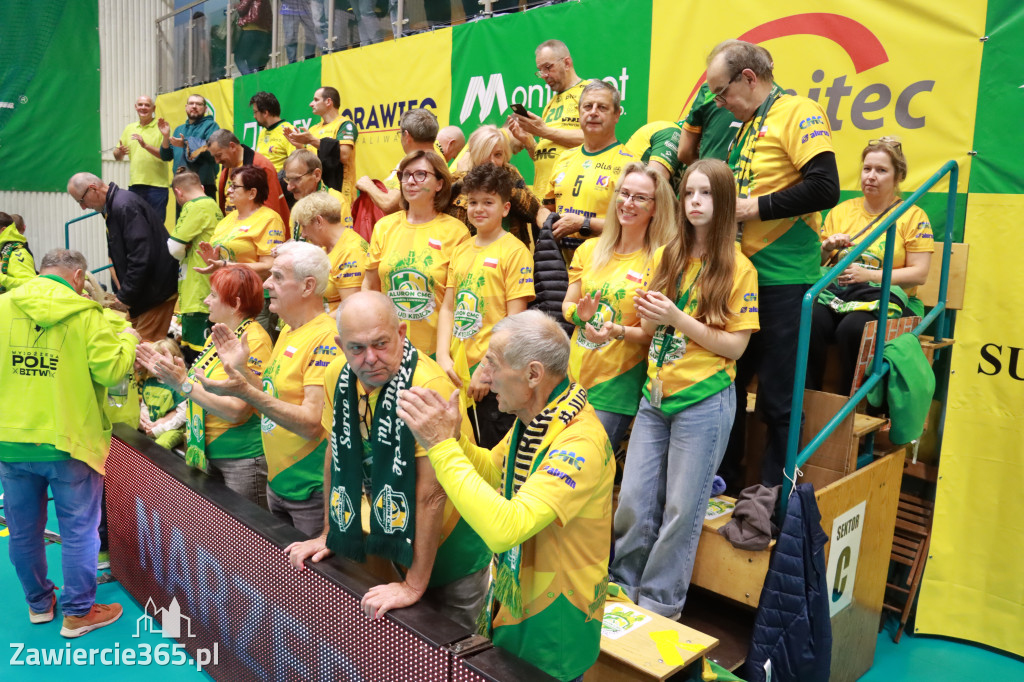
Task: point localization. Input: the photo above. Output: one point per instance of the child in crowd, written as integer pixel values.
(702, 309)
(489, 278)
(163, 407)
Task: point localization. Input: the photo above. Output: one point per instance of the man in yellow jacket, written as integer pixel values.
(59, 355)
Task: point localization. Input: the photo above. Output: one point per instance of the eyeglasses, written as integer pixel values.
(417, 176)
(545, 69)
(84, 194)
(232, 187)
(720, 96)
(887, 141)
(295, 179)
(639, 200)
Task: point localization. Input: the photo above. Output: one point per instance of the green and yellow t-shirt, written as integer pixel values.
(159, 398)
(341, 129)
(582, 182)
(715, 125)
(613, 372)
(691, 373)
(485, 279)
(244, 240)
(143, 167)
(271, 143)
(562, 112)
(412, 262)
(295, 465)
(796, 129)
(460, 550)
(564, 572)
(197, 223)
(225, 440)
(348, 264)
(913, 234)
(657, 142)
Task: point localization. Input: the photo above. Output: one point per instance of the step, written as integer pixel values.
(725, 570)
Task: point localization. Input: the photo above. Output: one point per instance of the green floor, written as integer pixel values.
(914, 658)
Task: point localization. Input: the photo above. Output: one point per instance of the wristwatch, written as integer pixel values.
(585, 231)
(621, 336)
(186, 388)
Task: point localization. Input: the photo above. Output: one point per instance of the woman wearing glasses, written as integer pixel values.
(883, 167)
(223, 432)
(488, 144)
(701, 308)
(608, 344)
(410, 249)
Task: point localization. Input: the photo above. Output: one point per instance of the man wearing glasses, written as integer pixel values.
(231, 153)
(303, 174)
(559, 125)
(785, 168)
(146, 273)
(187, 148)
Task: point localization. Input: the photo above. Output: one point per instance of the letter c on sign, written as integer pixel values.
(842, 565)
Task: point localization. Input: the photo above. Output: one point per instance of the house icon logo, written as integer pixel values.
(170, 625)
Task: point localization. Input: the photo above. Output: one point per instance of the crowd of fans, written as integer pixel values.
(427, 314)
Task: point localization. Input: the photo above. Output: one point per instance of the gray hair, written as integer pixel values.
(223, 138)
(560, 49)
(534, 336)
(308, 260)
(740, 55)
(420, 124)
(305, 157)
(596, 85)
(63, 259)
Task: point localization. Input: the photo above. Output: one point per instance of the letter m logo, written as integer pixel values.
(477, 91)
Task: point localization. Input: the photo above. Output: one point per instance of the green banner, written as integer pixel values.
(996, 168)
(49, 71)
(293, 85)
(493, 61)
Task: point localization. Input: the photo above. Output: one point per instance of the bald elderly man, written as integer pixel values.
(148, 174)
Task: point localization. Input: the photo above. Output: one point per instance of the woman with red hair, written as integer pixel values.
(223, 432)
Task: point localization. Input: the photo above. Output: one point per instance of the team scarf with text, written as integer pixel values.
(741, 153)
(392, 472)
(531, 446)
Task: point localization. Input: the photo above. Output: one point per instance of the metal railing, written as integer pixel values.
(67, 237)
(795, 457)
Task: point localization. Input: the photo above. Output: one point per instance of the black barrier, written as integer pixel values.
(208, 565)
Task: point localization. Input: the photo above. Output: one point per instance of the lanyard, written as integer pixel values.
(681, 302)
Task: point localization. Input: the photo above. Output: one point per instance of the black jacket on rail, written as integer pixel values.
(550, 276)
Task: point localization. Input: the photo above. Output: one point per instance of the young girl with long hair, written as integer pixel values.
(701, 308)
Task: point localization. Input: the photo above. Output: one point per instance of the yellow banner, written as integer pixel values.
(877, 67)
(379, 82)
(220, 102)
(972, 586)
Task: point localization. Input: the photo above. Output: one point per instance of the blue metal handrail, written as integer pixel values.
(796, 458)
(67, 236)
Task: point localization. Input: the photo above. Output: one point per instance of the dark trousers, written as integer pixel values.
(489, 423)
(844, 330)
(771, 355)
(154, 196)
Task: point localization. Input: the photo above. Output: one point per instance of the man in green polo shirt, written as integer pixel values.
(196, 223)
(147, 172)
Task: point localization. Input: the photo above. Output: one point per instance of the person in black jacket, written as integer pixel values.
(147, 274)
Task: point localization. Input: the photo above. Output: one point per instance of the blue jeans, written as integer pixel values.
(154, 196)
(615, 426)
(77, 498)
(670, 464)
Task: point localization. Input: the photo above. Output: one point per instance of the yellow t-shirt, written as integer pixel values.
(613, 373)
(412, 262)
(561, 113)
(692, 373)
(245, 240)
(485, 280)
(271, 143)
(787, 250)
(913, 234)
(295, 465)
(348, 263)
(341, 129)
(260, 348)
(583, 182)
(466, 553)
(143, 167)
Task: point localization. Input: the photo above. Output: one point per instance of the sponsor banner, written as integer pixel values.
(972, 587)
(493, 62)
(876, 67)
(293, 85)
(380, 82)
(219, 102)
(997, 167)
(49, 94)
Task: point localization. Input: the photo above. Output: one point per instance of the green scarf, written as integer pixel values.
(741, 153)
(392, 472)
(531, 446)
(6, 252)
(195, 433)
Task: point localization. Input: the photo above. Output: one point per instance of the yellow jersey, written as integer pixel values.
(271, 143)
(348, 264)
(143, 167)
(582, 182)
(244, 240)
(562, 112)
